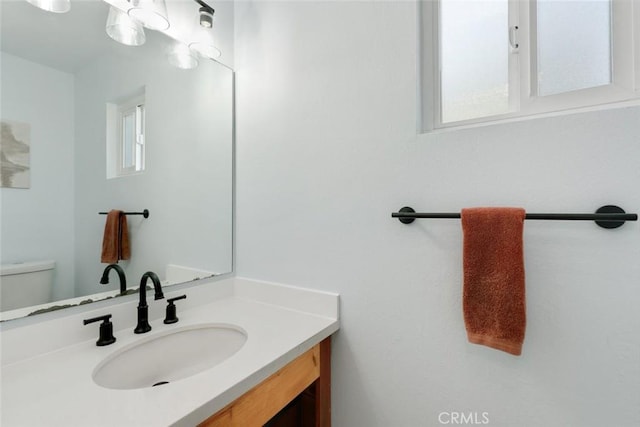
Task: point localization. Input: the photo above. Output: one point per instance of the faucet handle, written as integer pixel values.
(171, 310)
(106, 329)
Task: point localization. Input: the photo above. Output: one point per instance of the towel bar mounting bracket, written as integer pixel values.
(610, 209)
(407, 220)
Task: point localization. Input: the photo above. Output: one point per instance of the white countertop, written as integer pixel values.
(55, 388)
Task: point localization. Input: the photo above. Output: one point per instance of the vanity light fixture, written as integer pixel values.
(56, 6)
(203, 35)
(206, 16)
(183, 57)
(127, 28)
(151, 13)
(124, 29)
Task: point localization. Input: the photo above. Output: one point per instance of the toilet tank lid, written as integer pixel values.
(26, 267)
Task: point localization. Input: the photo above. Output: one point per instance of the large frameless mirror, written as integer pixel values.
(90, 125)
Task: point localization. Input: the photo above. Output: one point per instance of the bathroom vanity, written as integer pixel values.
(282, 366)
(298, 395)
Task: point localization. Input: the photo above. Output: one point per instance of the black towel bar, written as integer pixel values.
(609, 216)
(144, 213)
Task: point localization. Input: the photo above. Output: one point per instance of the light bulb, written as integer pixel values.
(206, 17)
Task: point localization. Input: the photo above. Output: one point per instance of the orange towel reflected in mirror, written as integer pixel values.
(115, 243)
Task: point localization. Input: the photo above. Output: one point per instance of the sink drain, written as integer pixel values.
(160, 383)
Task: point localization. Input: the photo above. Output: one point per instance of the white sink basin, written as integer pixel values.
(169, 356)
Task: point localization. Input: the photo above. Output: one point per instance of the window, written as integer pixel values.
(487, 60)
(126, 137)
(131, 145)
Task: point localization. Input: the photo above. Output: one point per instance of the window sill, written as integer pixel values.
(125, 175)
(602, 107)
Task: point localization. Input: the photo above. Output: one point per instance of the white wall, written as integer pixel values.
(327, 149)
(37, 223)
(187, 182)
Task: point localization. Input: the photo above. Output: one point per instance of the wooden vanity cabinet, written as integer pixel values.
(298, 395)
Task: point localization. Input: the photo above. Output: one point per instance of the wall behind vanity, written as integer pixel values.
(327, 149)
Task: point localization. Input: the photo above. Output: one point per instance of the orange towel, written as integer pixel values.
(115, 243)
(494, 294)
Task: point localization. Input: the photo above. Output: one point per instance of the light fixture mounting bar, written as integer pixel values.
(203, 4)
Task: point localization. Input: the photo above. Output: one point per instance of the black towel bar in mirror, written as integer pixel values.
(144, 213)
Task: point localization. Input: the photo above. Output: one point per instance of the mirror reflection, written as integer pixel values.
(90, 125)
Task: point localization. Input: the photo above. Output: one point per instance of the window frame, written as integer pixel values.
(137, 107)
(523, 99)
(636, 21)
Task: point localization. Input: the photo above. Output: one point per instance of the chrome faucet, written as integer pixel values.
(143, 308)
(121, 276)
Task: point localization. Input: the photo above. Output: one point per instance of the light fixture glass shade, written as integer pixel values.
(183, 57)
(206, 49)
(56, 6)
(124, 29)
(202, 41)
(152, 13)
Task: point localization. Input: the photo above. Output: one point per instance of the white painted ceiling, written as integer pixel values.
(64, 41)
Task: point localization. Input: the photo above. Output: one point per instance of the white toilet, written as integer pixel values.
(25, 284)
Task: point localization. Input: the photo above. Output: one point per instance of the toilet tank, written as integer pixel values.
(25, 284)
